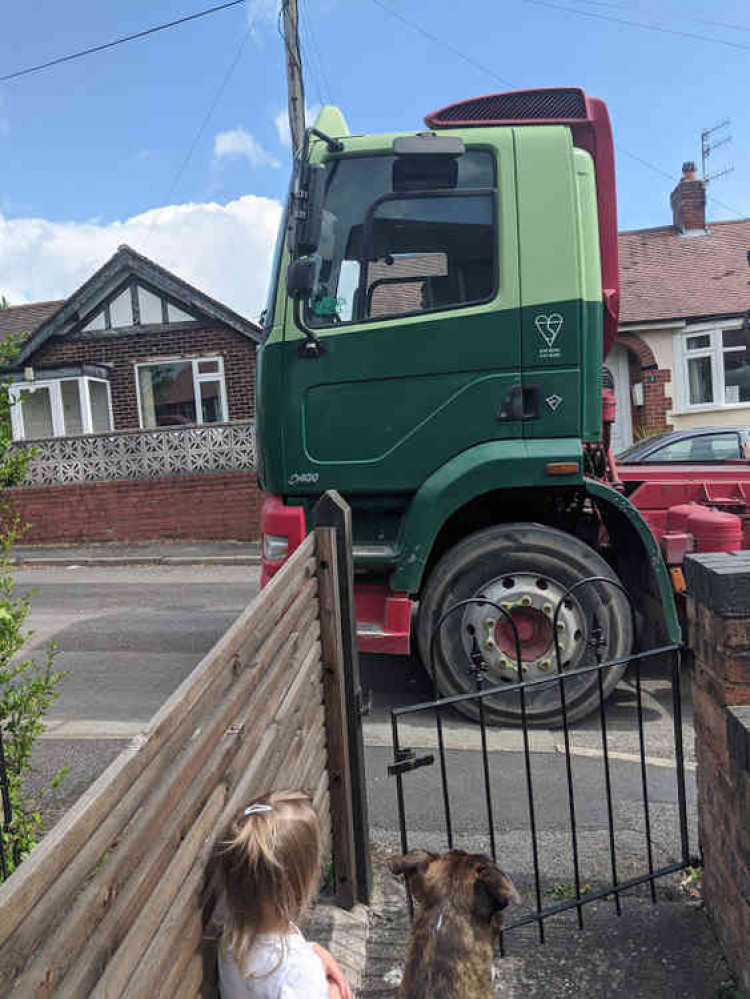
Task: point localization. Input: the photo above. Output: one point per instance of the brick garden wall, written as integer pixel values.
(210, 506)
(124, 350)
(719, 616)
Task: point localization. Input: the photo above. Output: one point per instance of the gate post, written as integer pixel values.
(719, 635)
(341, 666)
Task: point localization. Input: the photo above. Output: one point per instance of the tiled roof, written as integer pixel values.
(45, 319)
(665, 275)
(26, 318)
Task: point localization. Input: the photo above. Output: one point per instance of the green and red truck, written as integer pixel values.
(440, 308)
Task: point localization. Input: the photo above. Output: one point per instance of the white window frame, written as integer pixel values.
(198, 377)
(715, 351)
(55, 395)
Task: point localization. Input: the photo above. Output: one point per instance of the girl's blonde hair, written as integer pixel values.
(268, 867)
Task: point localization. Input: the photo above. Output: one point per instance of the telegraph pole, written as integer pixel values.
(295, 84)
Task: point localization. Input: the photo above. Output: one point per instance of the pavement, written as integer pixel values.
(667, 950)
(662, 951)
(107, 553)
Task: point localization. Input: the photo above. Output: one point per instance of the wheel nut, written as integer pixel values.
(544, 665)
(561, 626)
(548, 609)
(526, 601)
(489, 644)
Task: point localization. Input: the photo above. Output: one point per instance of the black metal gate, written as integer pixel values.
(484, 810)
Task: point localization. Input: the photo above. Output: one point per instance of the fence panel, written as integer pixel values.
(112, 902)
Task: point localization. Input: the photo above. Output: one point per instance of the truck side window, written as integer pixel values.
(392, 254)
(430, 253)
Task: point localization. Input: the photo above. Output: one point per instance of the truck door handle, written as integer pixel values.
(521, 402)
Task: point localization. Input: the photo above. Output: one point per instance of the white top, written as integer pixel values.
(280, 967)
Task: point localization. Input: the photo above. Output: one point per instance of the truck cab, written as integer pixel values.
(434, 338)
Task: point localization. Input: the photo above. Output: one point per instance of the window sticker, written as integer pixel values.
(328, 306)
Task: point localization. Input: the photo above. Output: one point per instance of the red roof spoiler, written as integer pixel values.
(588, 120)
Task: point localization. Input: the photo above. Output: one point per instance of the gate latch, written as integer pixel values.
(407, 759)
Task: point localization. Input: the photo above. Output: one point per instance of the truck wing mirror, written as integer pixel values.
(307, 209)
(300, 277)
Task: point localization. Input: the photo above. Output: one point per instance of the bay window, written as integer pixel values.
(60, 407)
(714, 367)
(181, 392)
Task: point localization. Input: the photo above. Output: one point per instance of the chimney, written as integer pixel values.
(688, 201)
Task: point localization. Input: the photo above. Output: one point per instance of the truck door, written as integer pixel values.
(416, 306)
(555, 320)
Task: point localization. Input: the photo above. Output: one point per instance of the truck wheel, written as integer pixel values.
(526, 568)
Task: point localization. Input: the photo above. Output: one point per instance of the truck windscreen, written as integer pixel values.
(389, 253)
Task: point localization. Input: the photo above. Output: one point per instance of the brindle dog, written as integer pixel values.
(460, 897)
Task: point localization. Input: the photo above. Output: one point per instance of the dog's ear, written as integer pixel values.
(416, 861)
(413, 866)
(496, 887)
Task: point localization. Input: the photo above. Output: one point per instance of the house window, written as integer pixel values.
(175, 393)
(135, 305)
(716, 368)
(63, 407)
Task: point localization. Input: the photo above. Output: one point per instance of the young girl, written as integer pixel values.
(268, 866)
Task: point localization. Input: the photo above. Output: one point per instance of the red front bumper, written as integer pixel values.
(383, 618)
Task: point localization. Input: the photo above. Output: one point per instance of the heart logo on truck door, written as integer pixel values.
(549, 326)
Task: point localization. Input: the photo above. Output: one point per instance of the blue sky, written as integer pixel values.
(89, 147)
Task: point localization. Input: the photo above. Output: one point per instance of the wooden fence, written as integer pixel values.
(113, 902)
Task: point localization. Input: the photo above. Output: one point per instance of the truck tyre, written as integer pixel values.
(527, 569)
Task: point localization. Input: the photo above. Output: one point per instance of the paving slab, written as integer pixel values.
(650, 952)
(344, 933)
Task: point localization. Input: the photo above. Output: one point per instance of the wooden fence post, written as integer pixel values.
(341, 670)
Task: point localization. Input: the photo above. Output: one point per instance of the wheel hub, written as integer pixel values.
(534, 633)
(530, 601)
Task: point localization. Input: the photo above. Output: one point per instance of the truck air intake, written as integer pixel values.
(556, 105)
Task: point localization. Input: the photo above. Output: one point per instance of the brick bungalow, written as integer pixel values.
(138, 393)
(682, 357)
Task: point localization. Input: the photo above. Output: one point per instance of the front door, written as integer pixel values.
(622, 429)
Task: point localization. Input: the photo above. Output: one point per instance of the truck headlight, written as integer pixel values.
(275, 547)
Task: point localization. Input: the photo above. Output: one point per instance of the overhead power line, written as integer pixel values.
(637, 24)
(443, 44)
(317, 57)
(683, 14)
(638, 159)
(120, 41)
(204, 123)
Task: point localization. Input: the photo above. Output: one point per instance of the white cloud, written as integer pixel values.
(281, 121)
(237, 142)
(262, 10)
(224, 250)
